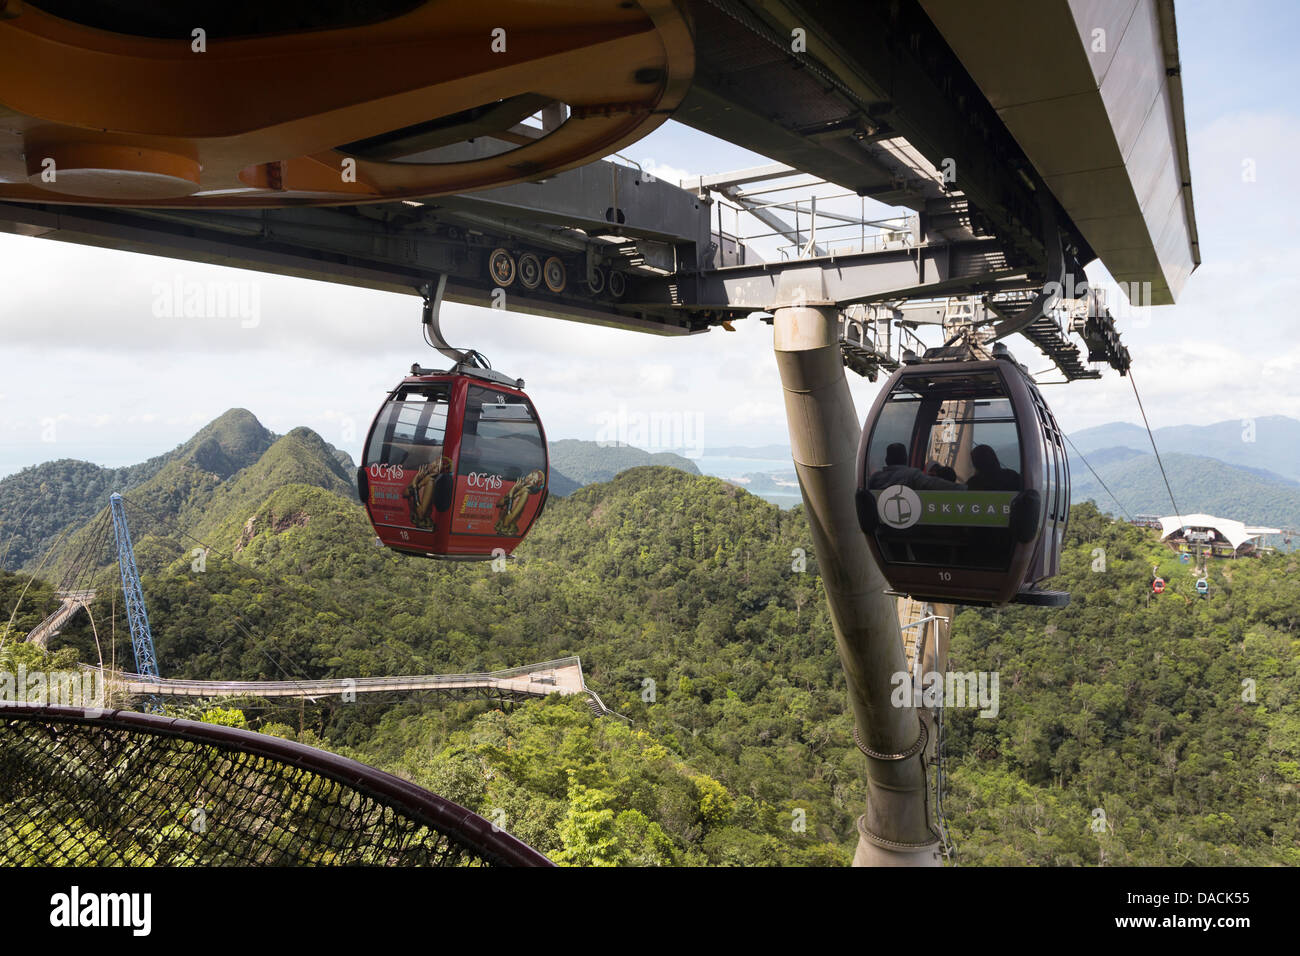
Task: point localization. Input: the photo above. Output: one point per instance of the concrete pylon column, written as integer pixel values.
(824, 432)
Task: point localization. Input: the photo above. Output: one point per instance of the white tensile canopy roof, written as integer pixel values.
(1234, 532)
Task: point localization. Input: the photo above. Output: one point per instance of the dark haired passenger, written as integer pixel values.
(898, 472)
(989, 473)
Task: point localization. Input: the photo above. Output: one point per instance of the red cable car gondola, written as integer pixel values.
(963, 481)
(455, 465)
(1158, 586)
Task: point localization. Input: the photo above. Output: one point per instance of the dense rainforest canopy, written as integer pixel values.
(697, 610)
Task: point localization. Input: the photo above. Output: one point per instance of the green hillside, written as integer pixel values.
(299, 458)
(230, 464)
(1199, 484)
(678, 593)
(185, 507)
(38, 504)
(585, 462)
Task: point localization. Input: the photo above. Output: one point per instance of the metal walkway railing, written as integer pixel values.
(124, 788)
(563, 676)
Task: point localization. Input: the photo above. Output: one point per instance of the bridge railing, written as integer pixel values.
(557, 664)
(331, 685)
(124, 788)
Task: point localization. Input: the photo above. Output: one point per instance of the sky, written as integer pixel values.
(90, 369)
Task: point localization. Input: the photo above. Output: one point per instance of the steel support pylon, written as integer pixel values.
(824, 432)
(146, 660)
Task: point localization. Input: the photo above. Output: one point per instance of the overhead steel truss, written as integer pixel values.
(633, 252)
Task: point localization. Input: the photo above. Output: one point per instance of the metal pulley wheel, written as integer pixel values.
(617, 284)
(530, 271)
(501, 266)
(554, 274)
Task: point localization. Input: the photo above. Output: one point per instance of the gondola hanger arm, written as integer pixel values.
(432, 294)
(466, 361)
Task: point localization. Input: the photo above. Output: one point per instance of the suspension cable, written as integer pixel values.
(281, 589)
(236, 617)
(73, 571)
(82, 567)
(1098, 477)
(1159, 461)
(4, 636)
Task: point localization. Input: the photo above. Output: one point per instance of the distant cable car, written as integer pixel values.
(1158, 586)
(1203, 587)
(963, 481)
(455, 465)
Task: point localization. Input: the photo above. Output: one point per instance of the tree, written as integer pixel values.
(589, 829)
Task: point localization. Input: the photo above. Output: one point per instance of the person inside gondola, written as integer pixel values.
(989, 474)
(941, 471)
(898, 472)
(989, 546)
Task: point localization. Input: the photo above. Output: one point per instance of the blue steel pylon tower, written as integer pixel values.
(146, 662)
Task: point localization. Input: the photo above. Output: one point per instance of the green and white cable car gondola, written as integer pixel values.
(963, 482)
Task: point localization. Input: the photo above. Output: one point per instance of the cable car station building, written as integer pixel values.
(1220, 537)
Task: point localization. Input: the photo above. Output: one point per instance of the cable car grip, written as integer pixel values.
(432, 296)
(467, 361)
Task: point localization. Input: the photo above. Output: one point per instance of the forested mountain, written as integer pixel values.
(680, 594)
(1270, 443)
(1200, 484)
(38, 504)
(587, 461)
(562, 484)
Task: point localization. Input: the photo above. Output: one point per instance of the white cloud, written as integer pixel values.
(82, 343)
(656, 377)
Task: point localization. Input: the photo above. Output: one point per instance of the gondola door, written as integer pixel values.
(407, 476)
(502, 471)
